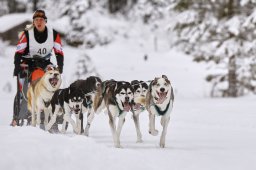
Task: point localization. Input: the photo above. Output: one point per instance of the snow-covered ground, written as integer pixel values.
(204, 133)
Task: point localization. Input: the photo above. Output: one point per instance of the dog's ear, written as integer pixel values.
(144, 84)
(134, 82)
(165, 77)
(154, 81)
(131, 87)
(57, 68)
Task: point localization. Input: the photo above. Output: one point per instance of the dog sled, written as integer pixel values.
(21, 115)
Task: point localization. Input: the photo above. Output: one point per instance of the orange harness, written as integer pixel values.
(36, 74)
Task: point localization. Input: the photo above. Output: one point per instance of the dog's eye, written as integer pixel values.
(138, 91)
(165, 84)
(157, 84)
(129, 92)
(122, 93)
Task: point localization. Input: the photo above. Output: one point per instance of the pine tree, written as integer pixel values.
(220, 32)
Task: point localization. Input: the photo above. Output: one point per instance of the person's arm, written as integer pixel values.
(22, 48)
(58, 50)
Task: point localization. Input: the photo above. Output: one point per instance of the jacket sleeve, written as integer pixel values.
(58, 50)
(21, 49)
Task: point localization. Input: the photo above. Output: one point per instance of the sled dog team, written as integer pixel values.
(93, 95)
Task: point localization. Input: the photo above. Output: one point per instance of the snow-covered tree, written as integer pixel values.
(87, 26)
(222, 33)
(85, 68)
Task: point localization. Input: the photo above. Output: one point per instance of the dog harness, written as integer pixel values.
(162, 112)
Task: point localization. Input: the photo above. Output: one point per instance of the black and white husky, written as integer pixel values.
(89, 88)
(140, 90)
(66, 102)
(117, 97)
(159, 101)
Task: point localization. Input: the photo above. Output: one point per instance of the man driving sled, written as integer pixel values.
(32, 57)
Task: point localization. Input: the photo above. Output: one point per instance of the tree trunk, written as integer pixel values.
(232, 81)
(116, 5)
(35, 5)
(12, 5)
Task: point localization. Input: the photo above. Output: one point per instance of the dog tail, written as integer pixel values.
(98, 103)
(141, 100)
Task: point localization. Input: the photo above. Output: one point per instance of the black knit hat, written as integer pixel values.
(39, 13)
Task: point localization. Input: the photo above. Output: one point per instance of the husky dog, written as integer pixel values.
(89, 88)
(117, 97)
(140, 90)
(40, 93)
(65, 102)
(159, 101)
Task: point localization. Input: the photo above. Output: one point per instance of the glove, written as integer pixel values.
(16, 70)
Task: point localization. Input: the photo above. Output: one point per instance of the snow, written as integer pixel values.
(9, 21)
(204, 133)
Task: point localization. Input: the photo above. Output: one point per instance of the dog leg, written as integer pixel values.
(33, 114)
(90, 117)
(152, 129)
(113, 130)
(137, 126)
(46, 116)
(119, 128)
(53, 119)
(38, 117)
(68, 118)
(64, 124)
(39, 111)
(78, 123)
(164, 121)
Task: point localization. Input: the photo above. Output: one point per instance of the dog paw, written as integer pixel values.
(86, 132)
(153, 132)
(162, 145)
(42, 126)
(47, 128)
(118, 146)
(139, 141)
(54, 130)
(76, 131)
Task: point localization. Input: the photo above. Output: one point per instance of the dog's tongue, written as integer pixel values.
(162, 97)
(54, 81)
(127, 107)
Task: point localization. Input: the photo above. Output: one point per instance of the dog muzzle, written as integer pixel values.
(54, 81)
